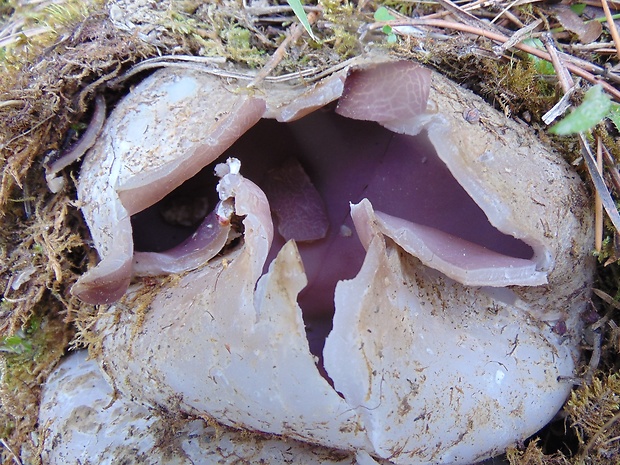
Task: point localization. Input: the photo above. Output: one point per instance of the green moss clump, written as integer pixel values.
(38, 27)
(26, 358)
(344, 26)
(238, 43)
(517, 86)
(206, 30)
(594, 413)
(534, 455)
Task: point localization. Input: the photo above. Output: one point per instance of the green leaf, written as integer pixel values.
(382, 14)
(298, 9)
(578, 8)
(544, 67)
(614, 115)
(16, 344)
(594, 108)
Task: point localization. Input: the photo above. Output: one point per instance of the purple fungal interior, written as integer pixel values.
(311, 170)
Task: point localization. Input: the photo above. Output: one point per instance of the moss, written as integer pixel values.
(38, 27)
(517, 86)
(594, 412)
(533, 455)
(237, 41)
(210, 30)
(610, 137)
(343, 36)
(6, 11)
(607, 251)
(26, 359)
(411, 9)
(514, 86)
(42, 239)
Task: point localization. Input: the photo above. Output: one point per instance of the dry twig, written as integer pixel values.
(612, 26)
(599, 433)
(294, 33)
(566, 81)
(612, 169)
(13, 454)
(599, 183)
(598, 204)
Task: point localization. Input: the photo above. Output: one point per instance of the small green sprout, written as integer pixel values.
(298, 9)
(614, 115)
(544, 67)
(596, 106)
(18, 343)
(578, 8)
(382, 14)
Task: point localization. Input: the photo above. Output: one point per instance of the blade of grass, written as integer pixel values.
(298, 9)
(599, 183)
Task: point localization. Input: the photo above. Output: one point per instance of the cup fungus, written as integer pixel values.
(436, 253)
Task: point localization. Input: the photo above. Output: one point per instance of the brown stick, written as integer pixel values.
(598, 203)
(295, 32)
(612, 26)
(566, 81)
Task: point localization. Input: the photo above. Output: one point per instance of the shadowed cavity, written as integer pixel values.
(325, 161)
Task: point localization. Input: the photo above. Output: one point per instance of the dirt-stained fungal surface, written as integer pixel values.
(227, 241)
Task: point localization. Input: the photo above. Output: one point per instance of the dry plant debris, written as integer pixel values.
(532, 59)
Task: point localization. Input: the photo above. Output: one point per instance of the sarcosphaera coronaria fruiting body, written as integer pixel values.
(376, 273)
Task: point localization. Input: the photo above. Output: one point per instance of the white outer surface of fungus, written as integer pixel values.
(429, 369)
